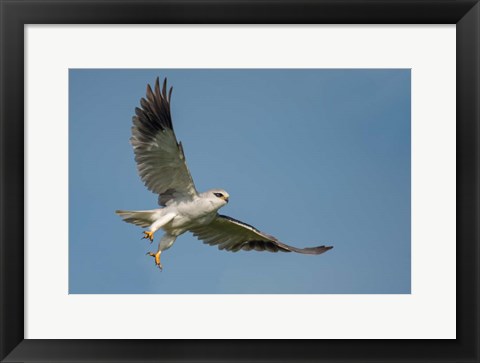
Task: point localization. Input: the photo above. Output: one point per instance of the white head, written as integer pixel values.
(218, 197)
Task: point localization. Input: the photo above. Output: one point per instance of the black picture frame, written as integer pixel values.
(15, 14)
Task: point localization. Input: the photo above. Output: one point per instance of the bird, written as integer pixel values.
(162, 167)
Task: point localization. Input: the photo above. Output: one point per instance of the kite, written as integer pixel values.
(162, 167)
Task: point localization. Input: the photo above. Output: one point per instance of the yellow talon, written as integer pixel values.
(157, 258)
(148, 235)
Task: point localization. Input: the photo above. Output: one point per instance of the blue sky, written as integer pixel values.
(313, 157)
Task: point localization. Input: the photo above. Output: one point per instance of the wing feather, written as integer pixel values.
(159, 156)
(232, 235)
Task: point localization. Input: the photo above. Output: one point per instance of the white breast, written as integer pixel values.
(190, 214)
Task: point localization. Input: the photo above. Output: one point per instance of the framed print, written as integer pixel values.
(352, 125)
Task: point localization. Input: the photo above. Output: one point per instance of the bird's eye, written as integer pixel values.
(218, 195)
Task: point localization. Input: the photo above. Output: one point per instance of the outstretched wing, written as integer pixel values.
(232, 235)
(160, 158)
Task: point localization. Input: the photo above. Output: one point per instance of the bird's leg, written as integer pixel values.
(148, 235)
(165, 243)
(157, 225)
(157, 258)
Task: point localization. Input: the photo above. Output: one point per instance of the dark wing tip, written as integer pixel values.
(164, 89)
(316, 250)
(153, 115)
(306, 251)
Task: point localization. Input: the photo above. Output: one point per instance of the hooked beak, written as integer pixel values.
(225, 198)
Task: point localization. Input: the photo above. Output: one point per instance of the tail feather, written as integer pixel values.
(140, 218)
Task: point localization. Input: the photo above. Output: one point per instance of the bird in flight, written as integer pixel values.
(162, 167)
